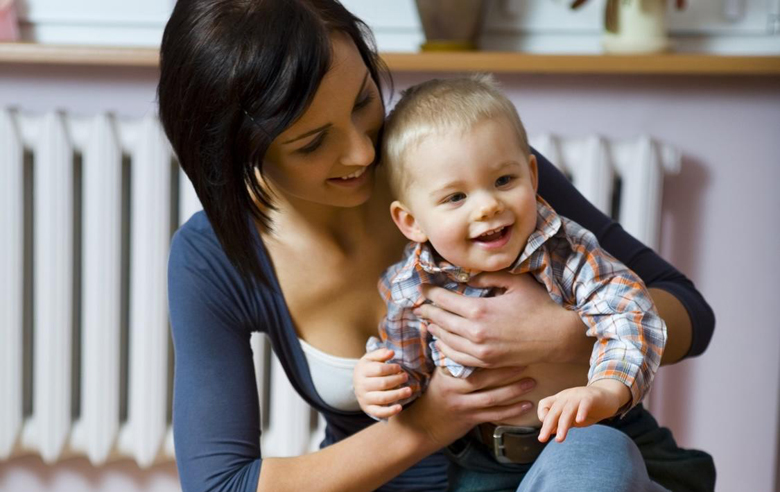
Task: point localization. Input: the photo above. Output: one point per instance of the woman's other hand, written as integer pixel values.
(520, 326)
(451, 406)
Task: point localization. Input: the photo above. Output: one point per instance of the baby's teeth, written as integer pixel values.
(492, 232)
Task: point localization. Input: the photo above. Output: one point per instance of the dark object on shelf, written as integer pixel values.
(451, 25)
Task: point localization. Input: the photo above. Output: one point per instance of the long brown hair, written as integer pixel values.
(234, 74)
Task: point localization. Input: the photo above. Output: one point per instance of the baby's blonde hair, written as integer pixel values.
(441, 105)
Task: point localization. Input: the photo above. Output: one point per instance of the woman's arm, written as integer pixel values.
(678, 326)
(216, 422)
(216, 411)
(373, 456)
(689, 319)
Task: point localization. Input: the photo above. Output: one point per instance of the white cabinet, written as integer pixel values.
(102, 22)
(543, 26)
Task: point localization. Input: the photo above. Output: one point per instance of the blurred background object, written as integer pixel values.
(9, 29)
(634, 26)
(451, 25)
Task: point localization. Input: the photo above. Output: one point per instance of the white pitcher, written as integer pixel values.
(639, 27)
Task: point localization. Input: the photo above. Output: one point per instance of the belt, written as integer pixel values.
(510, 444)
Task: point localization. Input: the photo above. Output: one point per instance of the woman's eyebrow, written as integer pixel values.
(309, 133)
(328, 125)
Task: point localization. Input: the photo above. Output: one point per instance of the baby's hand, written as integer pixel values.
(376, 384)
(580, 407)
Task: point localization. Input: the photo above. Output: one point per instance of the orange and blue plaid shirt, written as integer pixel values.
(566, 258)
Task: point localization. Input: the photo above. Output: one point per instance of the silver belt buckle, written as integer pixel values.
(498, 439)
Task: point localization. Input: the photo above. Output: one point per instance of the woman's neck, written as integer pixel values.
(296, 221)
(323, 219)
(300, 222)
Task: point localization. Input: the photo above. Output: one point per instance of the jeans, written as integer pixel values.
(674, 468)
(593, 459)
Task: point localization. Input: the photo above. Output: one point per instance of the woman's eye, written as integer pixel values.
(365, 101)
(504, 180)
(455, 198)
(314, 144)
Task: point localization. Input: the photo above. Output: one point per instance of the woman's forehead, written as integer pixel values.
(338, 90)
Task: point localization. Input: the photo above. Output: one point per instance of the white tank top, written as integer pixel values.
(332, 377)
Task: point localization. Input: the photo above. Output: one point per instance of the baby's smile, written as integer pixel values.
(494, 238)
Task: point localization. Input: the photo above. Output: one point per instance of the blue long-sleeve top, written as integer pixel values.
(216, 419)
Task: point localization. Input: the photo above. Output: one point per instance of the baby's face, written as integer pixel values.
(473, 195)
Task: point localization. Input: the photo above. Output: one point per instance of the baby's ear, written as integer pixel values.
(534, 168)
(406, 222)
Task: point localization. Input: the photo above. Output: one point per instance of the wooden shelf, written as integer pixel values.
(504, 62)
(667, 63)
(51, 54)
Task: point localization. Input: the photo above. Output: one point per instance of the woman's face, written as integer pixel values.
(327, 156)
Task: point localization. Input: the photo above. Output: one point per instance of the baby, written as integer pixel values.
(460, 167)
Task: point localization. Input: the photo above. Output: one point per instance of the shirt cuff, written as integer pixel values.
(627, 373)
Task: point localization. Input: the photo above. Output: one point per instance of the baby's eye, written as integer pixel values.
(504, 180)
(455, 198)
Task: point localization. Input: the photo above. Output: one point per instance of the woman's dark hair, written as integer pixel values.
(234, 74)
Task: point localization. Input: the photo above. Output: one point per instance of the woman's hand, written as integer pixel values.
(521, 325)
(451, 406)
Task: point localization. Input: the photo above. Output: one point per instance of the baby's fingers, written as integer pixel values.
(368, 369)
(387, 397)
(384, 383)
(582, 414)
(550, 422)
(565, 420)
(381, 412)
(379, 355)
(543, 407)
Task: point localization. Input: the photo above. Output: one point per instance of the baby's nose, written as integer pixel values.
(490, 207)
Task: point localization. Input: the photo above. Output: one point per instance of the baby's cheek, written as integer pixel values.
(453, 242)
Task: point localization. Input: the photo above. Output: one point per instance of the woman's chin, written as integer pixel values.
(350, 193)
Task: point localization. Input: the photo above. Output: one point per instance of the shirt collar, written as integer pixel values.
(425, 258)
(548, 223)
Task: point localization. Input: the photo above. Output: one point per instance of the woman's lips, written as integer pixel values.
(352, 182)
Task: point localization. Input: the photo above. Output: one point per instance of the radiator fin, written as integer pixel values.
(11, 281)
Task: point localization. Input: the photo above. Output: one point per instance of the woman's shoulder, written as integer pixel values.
(199, 268)
(196, 230)
(195, 244)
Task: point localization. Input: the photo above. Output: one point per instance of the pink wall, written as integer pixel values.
(720, 227)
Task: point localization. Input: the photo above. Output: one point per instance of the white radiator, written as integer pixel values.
(87, 209)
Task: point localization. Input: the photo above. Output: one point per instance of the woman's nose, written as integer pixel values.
(360, 150)
(488, 207)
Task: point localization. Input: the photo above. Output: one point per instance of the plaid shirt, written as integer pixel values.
(566, 258)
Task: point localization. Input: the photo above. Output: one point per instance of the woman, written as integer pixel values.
(274, 109)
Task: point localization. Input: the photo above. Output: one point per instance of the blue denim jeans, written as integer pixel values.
(593, 459)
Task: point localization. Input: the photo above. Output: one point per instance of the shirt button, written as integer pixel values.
(463, 277)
